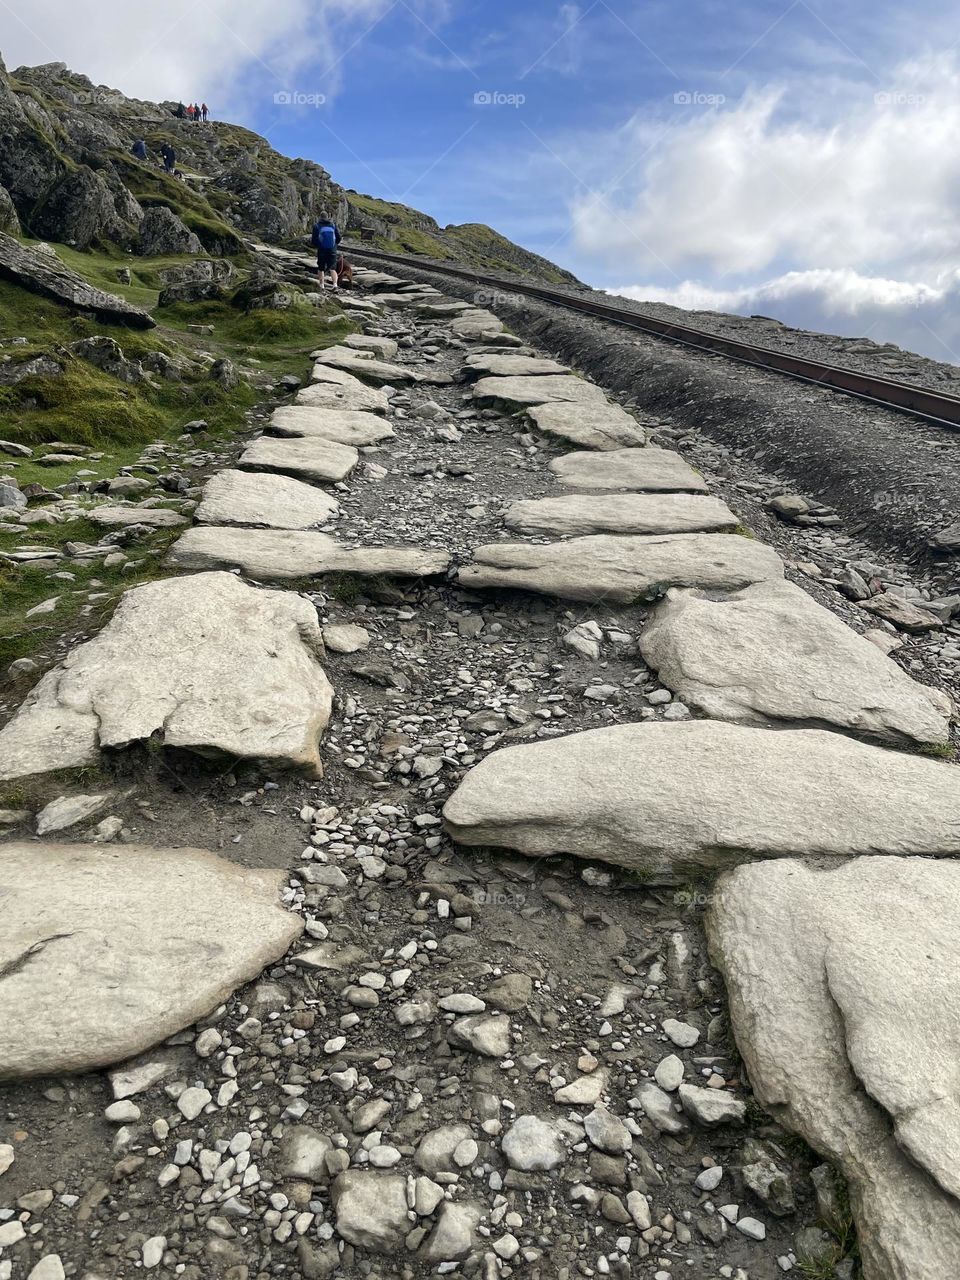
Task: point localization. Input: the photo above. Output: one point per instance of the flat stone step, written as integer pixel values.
(703, 794)
(520, 393)
(771, 654)
(313, 459)
(110, 517)
(344, 426)
(365, 366)
(206, 663)
(843, 1000)
(592, 426)
(499, 365)
(644, 513)
(278, 554)
(649, 470)
(107, 950)
(382, 348)
(623, 570)
(270, 501)
(333, 389)
(475, 326)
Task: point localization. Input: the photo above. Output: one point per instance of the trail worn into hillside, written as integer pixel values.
(468, 874)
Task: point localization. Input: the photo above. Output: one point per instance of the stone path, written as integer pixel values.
(474, 1060)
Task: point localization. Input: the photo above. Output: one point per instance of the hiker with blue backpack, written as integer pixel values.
(326, 237)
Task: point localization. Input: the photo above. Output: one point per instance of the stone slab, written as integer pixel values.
(844, 1001)
(313, 459)
(382, 348)
(521, 393)
(271, 501)
(649, 470)
(203, 663)
(623, 513)
(475, 326)
(702, 794)
(592, 426)
(107, 950)
(109, 517)
(343, 426)
(333, 389)
(45, 274)
(365, 366)
(771, 655)
(508, 365)
(623, 570)
(278, 554)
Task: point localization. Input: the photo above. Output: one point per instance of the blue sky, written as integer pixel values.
(797, 158)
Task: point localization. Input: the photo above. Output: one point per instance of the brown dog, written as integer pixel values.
(344, 273)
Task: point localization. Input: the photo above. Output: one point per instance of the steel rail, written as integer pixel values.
(886, 393)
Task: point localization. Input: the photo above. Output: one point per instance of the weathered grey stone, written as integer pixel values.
(365, 366)
(903, 614)
(107, 949)
(455, 1233)
(705, 794)
(648, 470)
(313, 459)
(644, 513)
(435, 1154)
(276, 554)
(44, 273)
(345, 426)
(275, 502)
(333, 389)
(623, 569)
(846, 1012)
(186, 659)
(67, 811)
(482, 1033)
(346, 638)
(520, 393)
(533, 1145)
(592, 426)
(371, 1209)
(383, 348)
(109, 517)
(303, 1153)
(711, 1107)
(476, 325)
(510, 365)
(771, 654)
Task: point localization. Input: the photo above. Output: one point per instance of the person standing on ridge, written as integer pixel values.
(204, 112)
(325, 239)
(139, 149)
(169, 157)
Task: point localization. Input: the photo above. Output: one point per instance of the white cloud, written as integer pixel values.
(220, 50)
(756, 184)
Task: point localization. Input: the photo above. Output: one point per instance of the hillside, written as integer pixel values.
(67, 175)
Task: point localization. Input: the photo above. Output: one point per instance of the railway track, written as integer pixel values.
(887, 393)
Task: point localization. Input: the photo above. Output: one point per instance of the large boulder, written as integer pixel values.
(205, 663)
(44, 273)
(685, 796)
(771, 655)
(843, 989)
(106, 950)
(80, 210)
(162, 233)
(623, 570)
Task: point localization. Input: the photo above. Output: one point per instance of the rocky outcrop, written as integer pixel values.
(9, 222)
(844, 1004)
(162, 234)
(650, 797)
(44, 273)
(104, 952)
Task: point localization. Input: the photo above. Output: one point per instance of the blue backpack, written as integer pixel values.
(324, 236)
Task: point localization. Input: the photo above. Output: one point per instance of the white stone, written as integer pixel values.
(846, 1011)
(643, 513)
(705, 794)
(48, 1268)
(153, 1251)
(371, 1210)
(122, 1113)
(332, 389)
(7, 1157)
(648, 470)
(519, 393)
(591, 426)
(507, 365)
(107, 949)
(346, 638)
(669, 1073)
(711, 1107)
(345, 426)
(622, 570)
(274, 502)
(383, 348)
(312, 459)
(771, 655)
(681, 1034)
(183, 658)
(192, 1101)
(278, 554)
(533, 1145)
(365, 366)
(111, 517)
(67, 811)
